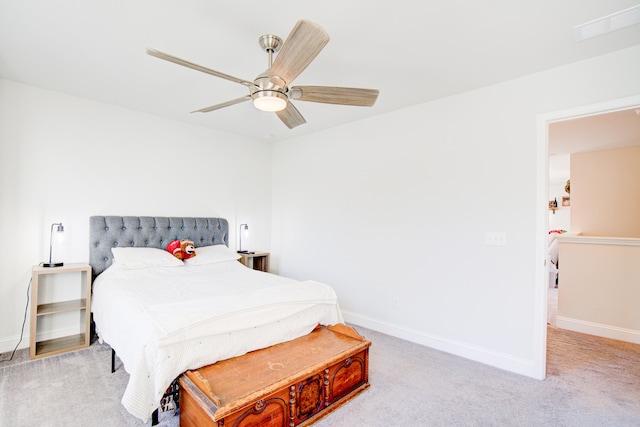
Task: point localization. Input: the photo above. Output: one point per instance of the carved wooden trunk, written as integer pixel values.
(286, 385)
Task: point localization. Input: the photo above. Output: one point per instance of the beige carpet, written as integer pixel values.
(611, 360)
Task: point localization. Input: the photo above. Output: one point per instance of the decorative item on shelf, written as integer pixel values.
(59, 230)
(566, 201)
(244, 227)
(553, 205)
(567, 186)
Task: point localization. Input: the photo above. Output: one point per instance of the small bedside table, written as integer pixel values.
(42, 309)
(257, 261)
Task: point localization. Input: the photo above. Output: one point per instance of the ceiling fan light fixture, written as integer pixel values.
(269, 100)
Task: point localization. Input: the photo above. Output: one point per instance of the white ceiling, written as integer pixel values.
(607, 131)
(411, 51)
(600, 132)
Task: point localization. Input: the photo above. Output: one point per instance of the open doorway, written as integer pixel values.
(593, 133)
(566, 132)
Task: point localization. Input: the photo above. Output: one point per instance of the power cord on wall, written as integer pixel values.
(24, 321)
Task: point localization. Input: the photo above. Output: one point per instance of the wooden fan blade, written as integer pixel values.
(222, 105)
(304, 43)
(197, 67)
(336, 95)
(290, 116)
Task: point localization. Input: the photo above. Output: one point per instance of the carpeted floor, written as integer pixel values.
(591, 382)
(71, 389)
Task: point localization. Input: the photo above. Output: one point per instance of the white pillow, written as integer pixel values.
(144, 258)
(212, 254)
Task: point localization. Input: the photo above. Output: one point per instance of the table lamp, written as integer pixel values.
(59, 229)
(244, 227)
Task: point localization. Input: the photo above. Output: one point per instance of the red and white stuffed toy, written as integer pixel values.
(182, 249)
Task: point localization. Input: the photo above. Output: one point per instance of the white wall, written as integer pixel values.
(393, 212)
(606, 192)
(599, 286)
(64, 159)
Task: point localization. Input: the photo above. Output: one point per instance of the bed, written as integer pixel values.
(163, 317)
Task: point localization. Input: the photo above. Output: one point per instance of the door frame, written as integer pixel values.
(542, 217)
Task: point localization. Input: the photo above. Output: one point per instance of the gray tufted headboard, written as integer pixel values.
(106, 232)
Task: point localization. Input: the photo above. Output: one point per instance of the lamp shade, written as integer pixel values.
(244, 227)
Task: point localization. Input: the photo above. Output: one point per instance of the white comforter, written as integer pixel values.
(162, 321)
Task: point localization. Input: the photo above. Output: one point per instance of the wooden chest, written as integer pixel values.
(286, 385)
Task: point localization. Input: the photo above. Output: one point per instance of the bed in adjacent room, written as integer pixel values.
(163, 316)
(553, 256)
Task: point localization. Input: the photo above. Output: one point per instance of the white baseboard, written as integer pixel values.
(7, 344)
(489, 357)
(598, 329)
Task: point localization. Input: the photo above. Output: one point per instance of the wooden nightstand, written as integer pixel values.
(257, 261)
(47, 309)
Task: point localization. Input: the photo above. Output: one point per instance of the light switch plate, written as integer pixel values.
(496, 238)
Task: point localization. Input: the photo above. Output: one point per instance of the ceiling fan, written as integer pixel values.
(271, 90)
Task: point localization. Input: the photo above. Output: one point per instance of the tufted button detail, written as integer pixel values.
(106, 229)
